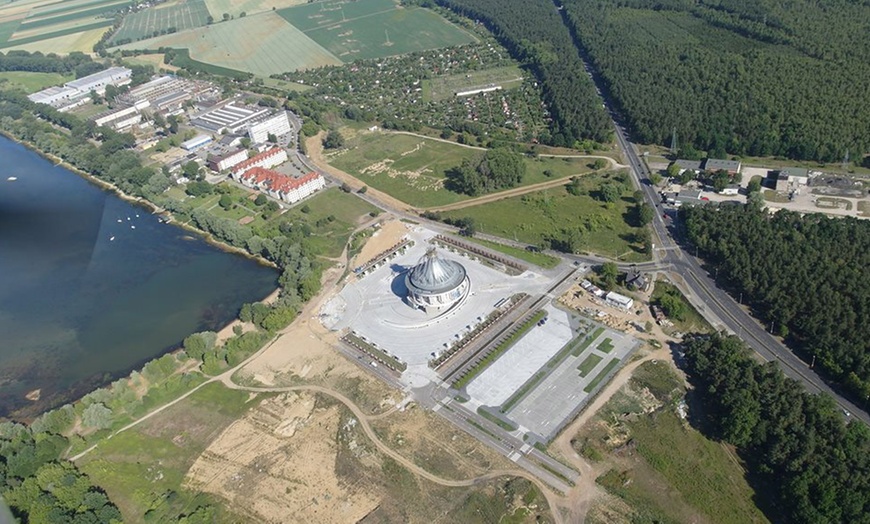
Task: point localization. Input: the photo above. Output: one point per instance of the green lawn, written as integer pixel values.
(589, 364)
(601, 375)
(374, 28)
(533, 257)
(556, 214)
(143, 468)
(413, 169)
(31, 82)
(692, 320)
(606, 346)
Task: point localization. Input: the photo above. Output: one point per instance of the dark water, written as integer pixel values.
(78, 308)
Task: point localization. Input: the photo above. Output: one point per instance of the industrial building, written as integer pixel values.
(791, 176)
(77, 92)
(166, 94)
(227, 160)
(229, 118)
(196, 142)
(271, 158)
(621, 301)
(714, 164)
(436, 284)
(120, 119)
(277, 124)
(282, 187)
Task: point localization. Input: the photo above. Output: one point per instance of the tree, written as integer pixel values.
(226, 202)
(673, 306)
(645, 214)
(575, 186)
(721, 179)
(261, 199)
(608, 273)
(363, 190)
(610, 192)
(599, 163)
(333, 140)
(272, 138)
(754, 185)
(655, 179)
(498, 168)
(190, 170)
(97, 416)
(468, 226)
(225, 16)
(674, 170)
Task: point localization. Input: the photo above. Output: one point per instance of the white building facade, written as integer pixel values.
(277, 124)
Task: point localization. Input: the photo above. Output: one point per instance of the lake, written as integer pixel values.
(92, 286)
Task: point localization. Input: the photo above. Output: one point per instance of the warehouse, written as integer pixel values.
(277, 124)
(230, 118)
(196, 142)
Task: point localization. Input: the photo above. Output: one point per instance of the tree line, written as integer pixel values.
(807, 465)
(534, 33)
(804, 276)
(749, 78)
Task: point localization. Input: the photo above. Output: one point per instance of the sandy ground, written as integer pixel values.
(387, 236)
(271, 464)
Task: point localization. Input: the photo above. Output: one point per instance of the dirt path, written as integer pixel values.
(501, 195)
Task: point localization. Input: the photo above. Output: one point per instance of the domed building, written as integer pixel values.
(436, 284)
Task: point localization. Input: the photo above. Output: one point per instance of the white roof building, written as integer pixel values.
(615, 299)
(98, 81)
(277, 124)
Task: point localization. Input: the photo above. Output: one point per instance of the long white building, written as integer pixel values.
(77, 92)
(277, 124)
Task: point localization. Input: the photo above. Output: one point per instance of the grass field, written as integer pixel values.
(413, 169)
(446, 86)
(373, 28)
(262, 44)
(236, 7)
(31, 82)
(539, 259)
(153, 60)
(532, 218)
(677, 474)
(588, 364)
(58, 27)
(140, 467)
(692, 320)
(150, 22)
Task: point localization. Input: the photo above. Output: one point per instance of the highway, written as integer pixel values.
(709, 299)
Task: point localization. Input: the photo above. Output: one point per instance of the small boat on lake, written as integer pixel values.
(12, 178)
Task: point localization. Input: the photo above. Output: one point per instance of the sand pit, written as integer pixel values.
(277, 465)
(388, 235)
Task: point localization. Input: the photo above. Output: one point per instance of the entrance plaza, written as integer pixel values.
(375, 306)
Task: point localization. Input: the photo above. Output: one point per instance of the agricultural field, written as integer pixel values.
(59, 27)
(555, 214)
(374, 28)
(31, 82)
(236, 7)
(662, 467)
(153, 60)
(413, 169)
(446, 86)
(262, 44)
(158, 20)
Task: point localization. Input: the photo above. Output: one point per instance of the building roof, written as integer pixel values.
(794, 171)
(103, 76)
(434, 275)
(690, 193)
(715, 164)
(254, 159)
(275, 181)
(694, 165)
(196, 141)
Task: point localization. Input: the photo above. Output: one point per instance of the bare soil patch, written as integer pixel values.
(388, 235)
(276, 462)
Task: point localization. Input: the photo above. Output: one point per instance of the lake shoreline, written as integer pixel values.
(141, 201)
(50, 398)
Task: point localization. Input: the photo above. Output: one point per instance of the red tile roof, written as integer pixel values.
(276, 181)
(244, 166)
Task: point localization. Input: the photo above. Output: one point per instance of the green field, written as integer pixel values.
(153, 21)
(539, 259)
(262, 44)
(553, 213)
(601, 375)
(26, 23)
(692, 321)
(373, 28)
(589, 364)
(31, 82)
(140, 467)
(413, 169)
(446, 86)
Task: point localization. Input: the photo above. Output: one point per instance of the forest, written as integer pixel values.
(805, 277)
(499, 168)
(806, 464)
(534, 34)
(755, 78)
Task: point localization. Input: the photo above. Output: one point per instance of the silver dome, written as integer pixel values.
(433, 274)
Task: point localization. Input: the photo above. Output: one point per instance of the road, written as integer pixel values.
(710, 300)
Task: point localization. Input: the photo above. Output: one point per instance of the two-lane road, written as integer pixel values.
(704, 292)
